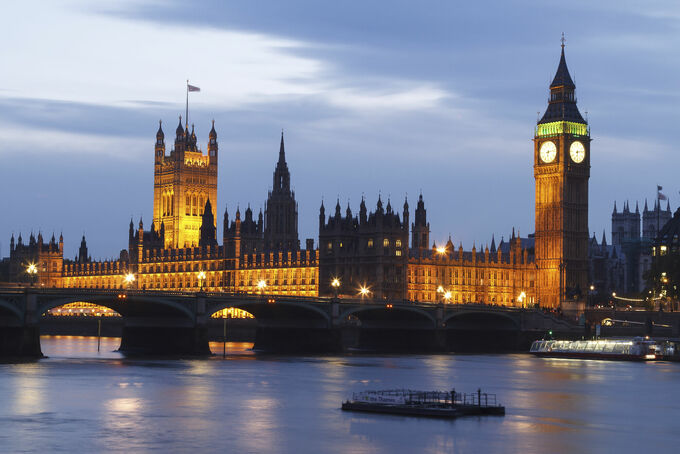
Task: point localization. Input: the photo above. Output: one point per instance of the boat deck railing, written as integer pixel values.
(427, 398)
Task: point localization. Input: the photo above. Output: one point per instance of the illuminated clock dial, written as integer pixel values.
(577, 152)
(548, 152)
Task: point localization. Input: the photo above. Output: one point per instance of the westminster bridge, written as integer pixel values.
(175, 323)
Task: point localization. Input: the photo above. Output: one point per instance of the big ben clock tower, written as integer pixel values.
(561, 171)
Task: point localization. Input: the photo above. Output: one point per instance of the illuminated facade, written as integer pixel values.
(503, 275)
(562, 171)
(184, 181)
(255, 257)
(370, 251)
(48, 259)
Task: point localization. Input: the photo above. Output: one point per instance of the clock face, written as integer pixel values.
(548, 152)
(577, 152)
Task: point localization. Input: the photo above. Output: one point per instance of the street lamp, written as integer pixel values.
(129, 279)
(335, 283)
(522, 296)
(447, 297)
(201, 278)
(261, 284)
(363, 291)
(32, 271)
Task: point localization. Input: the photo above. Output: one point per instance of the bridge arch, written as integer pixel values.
(7, 306)
(394, 312)
(473, 318)
(132, 305)
(260, 308)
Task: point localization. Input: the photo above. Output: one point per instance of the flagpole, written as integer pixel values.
(186, 117)
(658, 209)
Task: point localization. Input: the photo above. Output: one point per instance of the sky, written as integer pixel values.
(393, 98)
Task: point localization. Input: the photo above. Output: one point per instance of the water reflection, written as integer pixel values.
(82, 401)
(28, 390)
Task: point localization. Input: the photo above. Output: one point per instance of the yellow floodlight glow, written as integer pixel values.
(261, 284)
(441, 250)
(32, 268)
(336, 282)
(129, 278)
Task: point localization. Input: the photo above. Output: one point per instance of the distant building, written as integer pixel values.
(622, 265)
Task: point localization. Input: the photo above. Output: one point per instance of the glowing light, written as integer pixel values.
(32, 269)
(129, 278)
(440, 289)
(559, 127)
(261, 284)
(364, 291)
(447, 296)
(441, 250)
(336, 283)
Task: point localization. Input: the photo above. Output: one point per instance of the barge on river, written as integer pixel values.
(434, 404)
(631, 349)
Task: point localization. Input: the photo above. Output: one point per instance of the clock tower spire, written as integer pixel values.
(561, 172)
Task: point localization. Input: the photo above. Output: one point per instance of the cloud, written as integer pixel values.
(17, 137)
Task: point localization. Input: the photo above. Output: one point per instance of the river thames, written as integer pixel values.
(79, 400)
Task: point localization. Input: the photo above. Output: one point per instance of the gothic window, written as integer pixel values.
(370, 242)
(194, 203)
(188, 206)
(398, 243)
(386, 242)
(398, 252)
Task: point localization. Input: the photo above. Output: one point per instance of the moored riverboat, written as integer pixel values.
(434, 404)
(628, 349)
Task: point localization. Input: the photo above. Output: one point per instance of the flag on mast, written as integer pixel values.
(189, 88)
(659, 194)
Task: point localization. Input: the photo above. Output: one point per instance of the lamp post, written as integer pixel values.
(447, 297)
(335, 283)
(32, 271)
(521, 298)
(201, 279)
(261, 285)
(129, 279)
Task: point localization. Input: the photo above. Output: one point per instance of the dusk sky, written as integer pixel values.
(375, 97)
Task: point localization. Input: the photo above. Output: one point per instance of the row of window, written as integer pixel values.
(194, 204)
(370, 243)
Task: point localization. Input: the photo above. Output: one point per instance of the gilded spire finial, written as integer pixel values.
(563, 40)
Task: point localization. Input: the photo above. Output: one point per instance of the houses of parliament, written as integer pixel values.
(378, 253)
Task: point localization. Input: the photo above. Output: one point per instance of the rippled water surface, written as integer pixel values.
(79, 400)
